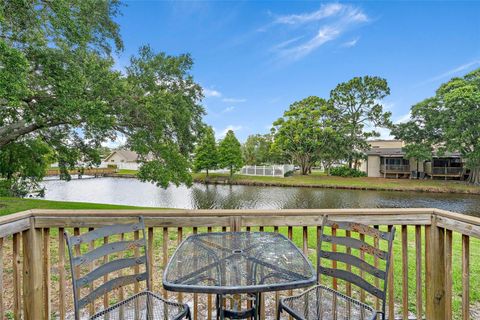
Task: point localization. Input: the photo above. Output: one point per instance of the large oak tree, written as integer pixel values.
(306, 132)
(61, 97)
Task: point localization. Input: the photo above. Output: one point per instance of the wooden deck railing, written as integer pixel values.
(431, 247)
(395, 168)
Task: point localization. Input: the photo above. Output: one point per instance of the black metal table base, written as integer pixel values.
(252, 313)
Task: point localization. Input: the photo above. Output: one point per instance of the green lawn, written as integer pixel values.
(127, 171)
(11, 205)
(318, 179)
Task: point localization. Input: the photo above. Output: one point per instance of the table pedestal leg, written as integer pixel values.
(254, 313)
(258, 306)
(220, 314)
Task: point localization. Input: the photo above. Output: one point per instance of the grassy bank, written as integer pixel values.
(127, 171)
(11, 205)
(321, 180)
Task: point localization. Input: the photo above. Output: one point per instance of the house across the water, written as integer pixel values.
(386, 158)
(123, 159)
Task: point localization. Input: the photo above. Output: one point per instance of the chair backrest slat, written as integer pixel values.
(349, 259)
(353, 278)
(111, 285)
(107, 249)
(110, 267)
(360, 228)
(354, 261)
(356, 244)
(107, 231)
(108, 253)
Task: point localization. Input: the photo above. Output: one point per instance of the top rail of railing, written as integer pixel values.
(45, 218)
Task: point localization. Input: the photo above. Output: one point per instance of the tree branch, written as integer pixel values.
(20, 128)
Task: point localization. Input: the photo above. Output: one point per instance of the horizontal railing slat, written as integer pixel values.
(12, 227)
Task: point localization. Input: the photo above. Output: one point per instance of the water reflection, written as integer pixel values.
(134, 192)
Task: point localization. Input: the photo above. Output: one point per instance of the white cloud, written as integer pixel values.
(324, 35)
(453, 71)
(221, 134)
(387, 105)
(384, 133)
(325, 11)
(285, 43)
(211, 93)
(228, 109)
(331, 21)
(351, 43)
(403, 118)
(233, 100)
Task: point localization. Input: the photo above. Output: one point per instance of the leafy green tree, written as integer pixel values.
(22, 165)
(420, 138)
(250, 149)
(358, 102)
(104, 151)
(304, 130)
(206, 154)
(334, 149)
(450, 121)
(257, 150)
(230, 153)
(58, 86)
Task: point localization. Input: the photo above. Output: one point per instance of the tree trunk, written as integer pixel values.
(474, 176)
(207, 172)
(231, 172)
(304, 166)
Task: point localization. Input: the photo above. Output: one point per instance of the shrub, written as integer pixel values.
(347, 172)
(289, 173)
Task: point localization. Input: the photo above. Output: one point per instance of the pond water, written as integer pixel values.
(133, 192)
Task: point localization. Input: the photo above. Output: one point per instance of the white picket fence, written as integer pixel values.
(272, 171)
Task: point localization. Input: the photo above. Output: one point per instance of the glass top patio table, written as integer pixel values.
(237, 262)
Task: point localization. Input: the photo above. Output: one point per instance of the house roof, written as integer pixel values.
(398, 152)
(128, 155)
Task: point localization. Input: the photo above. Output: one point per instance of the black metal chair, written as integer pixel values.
(323, 303)
(131, 269)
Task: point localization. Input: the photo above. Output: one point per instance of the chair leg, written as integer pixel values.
(279, 311)
(188, 315)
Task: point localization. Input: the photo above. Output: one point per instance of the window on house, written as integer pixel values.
(396, 161)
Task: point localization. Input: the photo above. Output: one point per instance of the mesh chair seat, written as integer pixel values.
(144, 306)
(323, 303)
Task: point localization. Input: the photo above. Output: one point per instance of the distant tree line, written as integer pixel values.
(317, 131)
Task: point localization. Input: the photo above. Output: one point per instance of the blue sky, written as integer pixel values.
(255, 58)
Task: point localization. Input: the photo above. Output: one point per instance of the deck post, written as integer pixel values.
(235, 223)
(435, 271)
(33, 273)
